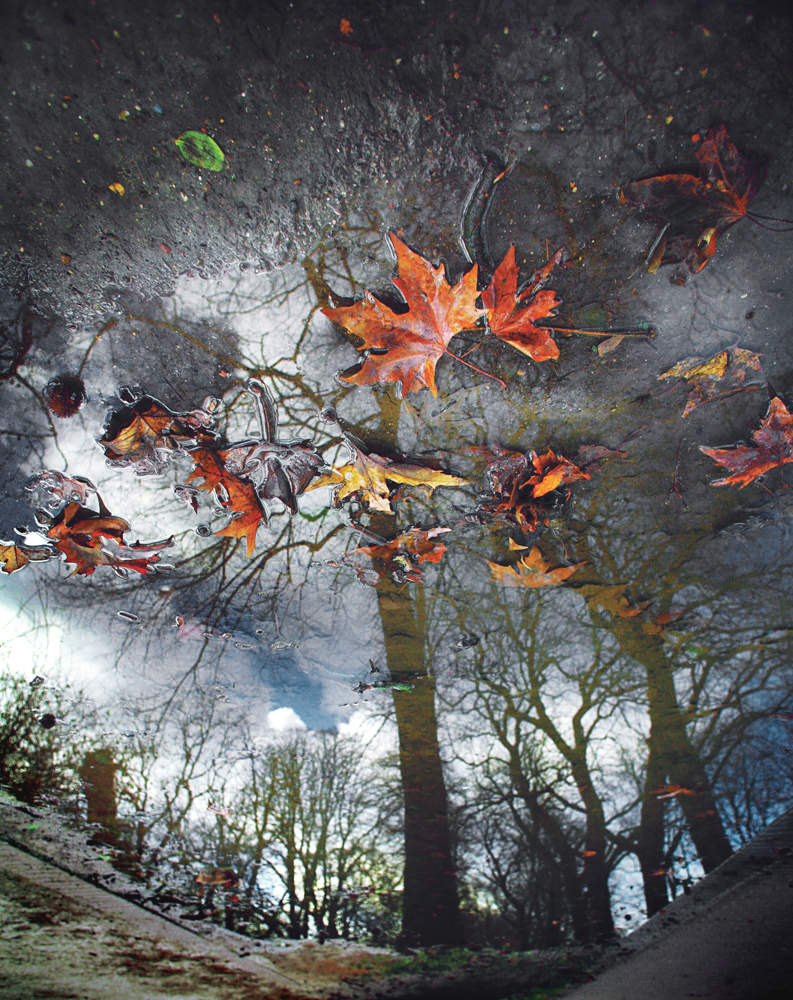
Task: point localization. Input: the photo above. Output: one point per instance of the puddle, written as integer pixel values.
(543, 668)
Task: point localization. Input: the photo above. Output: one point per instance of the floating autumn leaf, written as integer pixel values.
(511, 315)
(695, 211)
(672, 791)
(14, 555)
(368, 475)
(402, 556)
(232, 493)
(532, 571)
(550, 472)
(612, 599)
(144, 432)
(773, 448)
(277, 471)
(406, 346)
(723, 374)
(88, 539)
(201, 150)
(517, 482)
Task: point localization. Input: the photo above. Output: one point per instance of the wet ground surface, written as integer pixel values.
(393, 663)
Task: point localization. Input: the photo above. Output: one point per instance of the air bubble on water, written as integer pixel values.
(259, 631)
(119, 571)
(23, 530)
(37, 681)
(203, 530)
(128, 616)
(244, 645)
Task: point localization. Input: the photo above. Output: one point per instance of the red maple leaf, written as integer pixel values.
(697, 210)
(511, 314)
(773, 447)
(235, 494)
(406, 346)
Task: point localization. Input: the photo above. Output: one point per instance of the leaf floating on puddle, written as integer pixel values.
(732, 367)
(773, 448)
(532, 571)
(201, 150)
(367, 475)
(696, 210)
(407, 345)
(511, 314)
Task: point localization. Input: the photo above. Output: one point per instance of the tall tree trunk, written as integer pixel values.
(678, 759)
(430, 913)
(595, 877)
(650, 843)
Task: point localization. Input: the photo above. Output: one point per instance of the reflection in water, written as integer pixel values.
(333, 715)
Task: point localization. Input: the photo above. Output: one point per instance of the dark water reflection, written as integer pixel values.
(293, 747)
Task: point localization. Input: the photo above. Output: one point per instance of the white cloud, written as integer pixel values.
(281, 720)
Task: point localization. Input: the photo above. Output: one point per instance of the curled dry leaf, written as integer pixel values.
(146, 431)
(88, 539)
(695, 211)
(532, 571)
(726, 372)
(14, 555)
(368, 475)
(511, 315)
(773, 447)
(406, 346)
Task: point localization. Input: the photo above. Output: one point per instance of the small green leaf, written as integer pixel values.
(200, 150)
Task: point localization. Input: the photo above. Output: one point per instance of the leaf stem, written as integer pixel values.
(480, 370)
(629, 332)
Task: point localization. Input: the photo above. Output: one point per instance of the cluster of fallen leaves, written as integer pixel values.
(86, 537)
(404, 346)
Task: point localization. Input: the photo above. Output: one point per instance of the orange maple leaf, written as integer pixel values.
(550, 472)
(511, 314)
(773, 448)
(406, 346)
(235, 494)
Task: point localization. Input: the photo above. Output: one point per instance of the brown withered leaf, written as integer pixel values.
(14, 555)
(511, 315)
(532, 571)
(368, 475)
(522, 485)
(773, 447)
(697, 210)
(136, 433)
(612, 599)
(727, 372)
(406, 346)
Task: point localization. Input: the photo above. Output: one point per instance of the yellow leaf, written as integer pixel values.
(116, 188)
(368, 476)
(532, 571)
